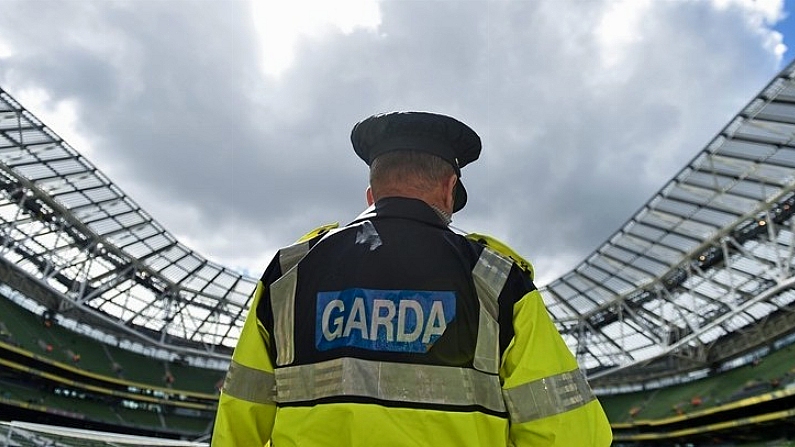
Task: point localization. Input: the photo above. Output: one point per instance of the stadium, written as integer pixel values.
(114, 333)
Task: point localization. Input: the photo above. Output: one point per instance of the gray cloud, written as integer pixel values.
(578, 133)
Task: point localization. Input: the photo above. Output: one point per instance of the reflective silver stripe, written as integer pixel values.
(490, 274)
(487, 349)
(249, 384)
(289, 256)
(399, 382)
(283, 307)
(548, 396)
(283, 302)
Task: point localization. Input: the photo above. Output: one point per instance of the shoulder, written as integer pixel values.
(287, 257)
(502, 249)
(317, 233)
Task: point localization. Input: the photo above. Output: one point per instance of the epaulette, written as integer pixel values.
(504, 250)
(319, 231)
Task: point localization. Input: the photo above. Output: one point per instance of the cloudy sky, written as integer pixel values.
(229, 121)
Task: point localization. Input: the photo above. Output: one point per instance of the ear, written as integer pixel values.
(369, 195)
(449, 192)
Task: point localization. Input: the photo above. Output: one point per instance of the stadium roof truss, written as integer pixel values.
(708, 259)
(66, 227)
(700, 273)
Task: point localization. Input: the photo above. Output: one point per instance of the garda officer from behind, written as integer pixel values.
(396, 331)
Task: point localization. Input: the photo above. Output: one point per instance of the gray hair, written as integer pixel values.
(408, 169)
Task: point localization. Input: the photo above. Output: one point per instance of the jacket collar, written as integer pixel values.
(402, 207)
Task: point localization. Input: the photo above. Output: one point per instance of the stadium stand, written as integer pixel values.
(776, 371)
(88, 393)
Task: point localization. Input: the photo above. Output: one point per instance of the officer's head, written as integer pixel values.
(416, 154)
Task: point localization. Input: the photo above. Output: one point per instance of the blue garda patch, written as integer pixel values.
(382, 320)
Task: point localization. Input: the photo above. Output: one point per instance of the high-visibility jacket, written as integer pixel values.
(396, 331)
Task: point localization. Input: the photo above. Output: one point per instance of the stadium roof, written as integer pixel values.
(709, 255)
(66, 224)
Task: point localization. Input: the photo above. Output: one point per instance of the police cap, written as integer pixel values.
(439, 135)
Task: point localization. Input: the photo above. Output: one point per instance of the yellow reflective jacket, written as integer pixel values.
(546, 395)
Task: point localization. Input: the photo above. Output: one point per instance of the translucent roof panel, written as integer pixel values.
(77, 231)
(706, 255)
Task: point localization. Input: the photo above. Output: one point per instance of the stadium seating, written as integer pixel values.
(773, 371)
(55, 346)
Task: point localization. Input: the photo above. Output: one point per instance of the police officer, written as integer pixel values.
(396, 331)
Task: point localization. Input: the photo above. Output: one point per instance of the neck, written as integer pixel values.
(446, 217)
